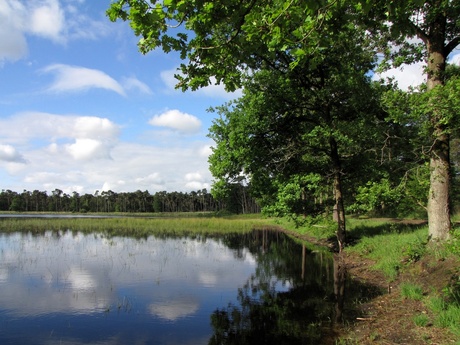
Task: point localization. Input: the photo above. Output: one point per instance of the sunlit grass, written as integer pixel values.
(135, 226)
(411, 291)
(390, 250)
(447, 314)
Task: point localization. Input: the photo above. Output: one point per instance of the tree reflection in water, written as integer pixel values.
(292, 298)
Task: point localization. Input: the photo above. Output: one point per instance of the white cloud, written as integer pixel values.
(47, 19)
(455, 59)
(80, 137)
(9, 154)
(195, 181)
(135, 84)
(74, 78)
(193, 176)
(27, 126)
(177, 120)
(206, 151)
(151, 179)
(213, 90)
(13, 44)
(84, 154)
(406, 76)
(88, 149)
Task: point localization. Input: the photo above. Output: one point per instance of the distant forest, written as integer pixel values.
(237, 201)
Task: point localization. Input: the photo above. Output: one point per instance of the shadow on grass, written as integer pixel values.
(375, 227)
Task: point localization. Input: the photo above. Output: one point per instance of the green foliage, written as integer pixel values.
(414, 250)
(297, 198)
(379, 198)
(319, 49)
(408, 198)
(453, 245)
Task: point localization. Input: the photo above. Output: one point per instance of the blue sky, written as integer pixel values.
(82, 110)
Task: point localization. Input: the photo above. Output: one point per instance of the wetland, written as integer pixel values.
(65, 286)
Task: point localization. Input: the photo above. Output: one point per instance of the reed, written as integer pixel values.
(134, 226)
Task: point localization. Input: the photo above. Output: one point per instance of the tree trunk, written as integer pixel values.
(339, 209)
(438, 199)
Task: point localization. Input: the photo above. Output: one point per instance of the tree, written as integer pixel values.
(435, 23)
(296, 133)
(231, 38)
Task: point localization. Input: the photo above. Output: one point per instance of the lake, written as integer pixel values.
(257, 288)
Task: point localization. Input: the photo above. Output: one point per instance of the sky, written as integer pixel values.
(82, 110)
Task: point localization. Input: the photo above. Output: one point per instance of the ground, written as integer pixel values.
(388, 318)
(385, 317)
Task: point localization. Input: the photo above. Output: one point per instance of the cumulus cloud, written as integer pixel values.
(85, 149)
(455, 59)
(75, 78)
(80, 137)
(9, 154)
(205, 151)
(178, 121)
(27, 126)
(149, 180)
(195, 181)
(46, 19)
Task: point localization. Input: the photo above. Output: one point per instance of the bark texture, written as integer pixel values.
(438, 199)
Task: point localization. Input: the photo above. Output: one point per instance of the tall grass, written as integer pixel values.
(134, 226)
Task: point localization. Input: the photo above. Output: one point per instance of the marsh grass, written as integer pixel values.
(135, 226)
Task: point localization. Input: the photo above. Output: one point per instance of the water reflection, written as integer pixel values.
(258, 288)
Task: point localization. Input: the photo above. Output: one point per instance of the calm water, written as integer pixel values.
(70, 288)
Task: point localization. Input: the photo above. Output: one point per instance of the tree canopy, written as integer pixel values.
(229, 42)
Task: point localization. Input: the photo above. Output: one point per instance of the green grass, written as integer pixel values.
(411, 291)
(421, 320)
(390, 250)
(135, 226)
(447, 314)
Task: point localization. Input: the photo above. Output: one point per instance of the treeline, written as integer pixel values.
(238, 201)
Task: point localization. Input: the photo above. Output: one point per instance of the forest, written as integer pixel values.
(236, 202)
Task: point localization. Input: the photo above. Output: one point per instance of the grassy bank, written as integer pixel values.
(425, 277)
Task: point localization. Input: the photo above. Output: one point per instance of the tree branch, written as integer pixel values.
(451, 46)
